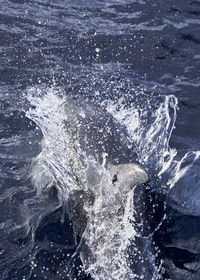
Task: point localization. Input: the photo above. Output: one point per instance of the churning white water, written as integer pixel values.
(63, 161)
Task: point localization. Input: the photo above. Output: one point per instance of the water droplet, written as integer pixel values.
(1, 251)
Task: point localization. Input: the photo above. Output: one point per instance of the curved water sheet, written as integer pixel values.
(87, 166)
(185, 184)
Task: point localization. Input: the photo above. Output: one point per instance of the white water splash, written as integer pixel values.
(54, 163)
(151, 139)
(108, 235)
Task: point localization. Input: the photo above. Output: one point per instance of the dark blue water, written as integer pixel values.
(117, 48)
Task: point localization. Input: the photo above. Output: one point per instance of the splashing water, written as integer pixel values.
(108, 236)
(152, 139)
(53, 163)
